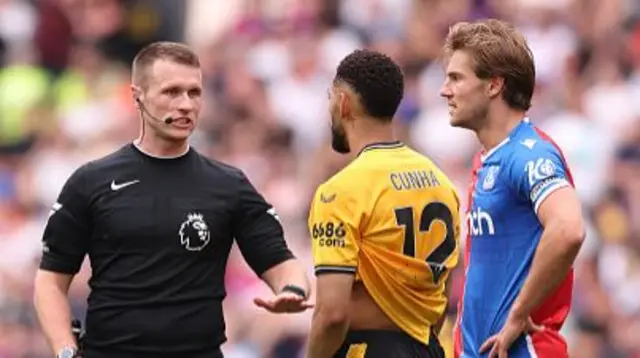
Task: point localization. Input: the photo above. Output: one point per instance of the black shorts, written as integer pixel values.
(104, 353)
(385, 344)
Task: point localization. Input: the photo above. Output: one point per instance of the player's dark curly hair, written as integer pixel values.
(376, 78)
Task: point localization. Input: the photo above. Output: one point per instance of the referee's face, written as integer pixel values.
(173, 90)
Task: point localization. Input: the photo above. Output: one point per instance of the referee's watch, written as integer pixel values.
(297, 290)
(67, 352)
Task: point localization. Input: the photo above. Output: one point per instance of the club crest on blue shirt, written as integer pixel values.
(490, 178)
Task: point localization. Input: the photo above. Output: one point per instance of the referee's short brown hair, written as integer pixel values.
(165, 50)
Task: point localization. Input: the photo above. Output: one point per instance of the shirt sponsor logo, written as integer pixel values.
(480, 222)
(539, 169)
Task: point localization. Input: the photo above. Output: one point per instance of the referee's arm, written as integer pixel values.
(64, 247)
(52, 307)
(260, 238)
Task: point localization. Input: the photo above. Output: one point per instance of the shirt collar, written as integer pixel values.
(514, 133)
(381, 145)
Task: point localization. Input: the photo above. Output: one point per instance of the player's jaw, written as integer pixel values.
(339, 141)
(467, 117)
(468, 107)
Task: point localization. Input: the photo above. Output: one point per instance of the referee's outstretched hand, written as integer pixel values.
(285, 302)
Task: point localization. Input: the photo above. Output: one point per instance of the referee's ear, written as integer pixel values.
(136, 94)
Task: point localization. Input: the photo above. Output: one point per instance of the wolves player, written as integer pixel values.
(385, 228)
(525, 222)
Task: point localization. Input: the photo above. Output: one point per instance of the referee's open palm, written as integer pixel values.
(285, 302)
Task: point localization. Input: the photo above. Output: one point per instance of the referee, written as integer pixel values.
(157, 220)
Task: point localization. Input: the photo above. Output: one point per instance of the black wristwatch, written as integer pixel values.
(295, 290)
(67, 352)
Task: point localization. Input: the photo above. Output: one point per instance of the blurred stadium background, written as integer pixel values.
(64, 100)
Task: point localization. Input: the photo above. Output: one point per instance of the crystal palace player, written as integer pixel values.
(385, 228)
(157, 220)
(524, 220)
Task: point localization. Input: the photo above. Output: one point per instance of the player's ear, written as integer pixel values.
(494, 86)
(344, 104)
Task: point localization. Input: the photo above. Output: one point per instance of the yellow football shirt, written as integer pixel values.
(390, 217)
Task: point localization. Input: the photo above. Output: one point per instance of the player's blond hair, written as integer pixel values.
(497, 49)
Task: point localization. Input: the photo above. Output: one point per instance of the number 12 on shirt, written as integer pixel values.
(430, 213)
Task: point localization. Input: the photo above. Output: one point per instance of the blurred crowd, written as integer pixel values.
(65, 100)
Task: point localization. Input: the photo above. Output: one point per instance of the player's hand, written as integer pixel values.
(512, 329)
(285, 302)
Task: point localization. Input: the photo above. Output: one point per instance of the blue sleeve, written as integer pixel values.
(537, 172)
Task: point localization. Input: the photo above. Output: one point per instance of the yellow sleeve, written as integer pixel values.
(454, 258)
(333, 227)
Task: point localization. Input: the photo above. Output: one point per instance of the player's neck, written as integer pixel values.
(372, 134)
(498, 128)
(160, 148)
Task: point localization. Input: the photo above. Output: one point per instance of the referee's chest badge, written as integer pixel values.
(194, 232)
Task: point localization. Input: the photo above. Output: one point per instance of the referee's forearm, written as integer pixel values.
(554, 257)
(288, 272)
(52, 308)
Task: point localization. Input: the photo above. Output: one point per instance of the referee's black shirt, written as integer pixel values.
(158, 234)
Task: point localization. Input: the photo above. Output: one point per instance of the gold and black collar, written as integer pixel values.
(381, 145)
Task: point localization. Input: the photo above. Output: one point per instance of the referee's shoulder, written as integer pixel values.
(221, 169)
(98, 166)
